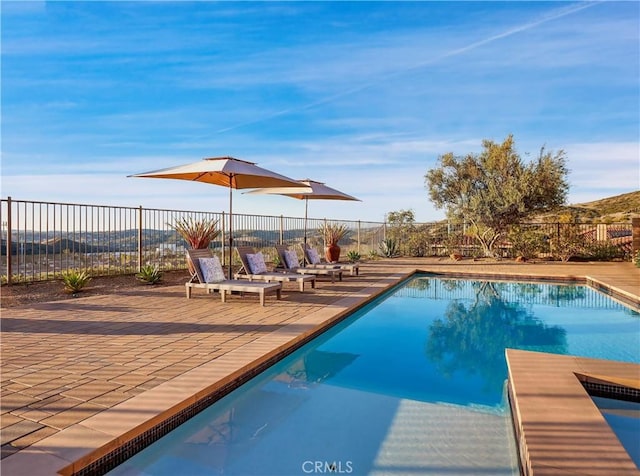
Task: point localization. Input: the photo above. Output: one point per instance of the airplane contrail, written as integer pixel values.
(553, 15)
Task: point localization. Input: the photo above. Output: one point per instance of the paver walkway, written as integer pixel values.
(65, 361)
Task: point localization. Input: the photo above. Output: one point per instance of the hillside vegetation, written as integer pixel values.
(616, 209)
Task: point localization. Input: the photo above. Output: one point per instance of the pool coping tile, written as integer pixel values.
(546, 392)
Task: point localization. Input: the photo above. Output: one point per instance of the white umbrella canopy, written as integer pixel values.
(311, 190)
(227, 172)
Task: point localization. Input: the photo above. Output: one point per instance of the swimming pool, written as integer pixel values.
(411, 383)
(624, 419)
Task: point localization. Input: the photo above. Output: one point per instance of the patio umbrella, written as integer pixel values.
(311, 190)
(227, 172)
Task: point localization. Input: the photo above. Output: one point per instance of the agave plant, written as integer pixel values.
(389, 248)
(198, 233)
(353, 256)
(75, 280)
(149, 274)
(332, 233)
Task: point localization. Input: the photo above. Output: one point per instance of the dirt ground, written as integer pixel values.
(53, 290)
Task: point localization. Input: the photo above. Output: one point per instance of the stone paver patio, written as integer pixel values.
(66, 363)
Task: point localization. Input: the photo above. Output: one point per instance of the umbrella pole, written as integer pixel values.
(304, 245)
(230, 222)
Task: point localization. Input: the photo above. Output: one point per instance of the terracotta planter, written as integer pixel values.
(332, 253)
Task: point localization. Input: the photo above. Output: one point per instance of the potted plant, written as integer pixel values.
(332, 233)
(197, 233)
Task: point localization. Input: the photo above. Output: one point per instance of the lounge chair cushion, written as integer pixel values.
(291, 258)
(211, 269)
(256, 263)
(312, 254)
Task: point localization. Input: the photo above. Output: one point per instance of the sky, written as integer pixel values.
(363, 96)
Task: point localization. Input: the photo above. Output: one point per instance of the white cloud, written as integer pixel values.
(380, 192)
(604, 166)
(602, 152)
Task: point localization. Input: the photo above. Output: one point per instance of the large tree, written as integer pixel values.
(496, 188)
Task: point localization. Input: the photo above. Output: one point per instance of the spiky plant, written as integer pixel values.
(149, 274)
(74, 280)
(389, 248)
(332, 233)
(198, 233)
(353, 256)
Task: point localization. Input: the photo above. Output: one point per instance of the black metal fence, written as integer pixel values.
(559, 241)
(40, 240)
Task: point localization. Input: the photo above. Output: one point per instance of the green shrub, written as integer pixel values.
(567, 242)
(418, 242)
(373, 254)
(603, 251)
(353, 256)
(453, 242)
(149, 274)
(526, 242)
(75, 280)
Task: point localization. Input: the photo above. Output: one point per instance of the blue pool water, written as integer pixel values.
(413, 383)
(624, 419)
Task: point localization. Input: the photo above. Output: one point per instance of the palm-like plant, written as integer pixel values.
(198, 233)
(332, 233)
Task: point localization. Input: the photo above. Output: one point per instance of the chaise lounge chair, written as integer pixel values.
(253, 268)
(289, 260)
(210, 276)
(315, 261)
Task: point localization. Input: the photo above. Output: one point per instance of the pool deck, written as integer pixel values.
(82, 377)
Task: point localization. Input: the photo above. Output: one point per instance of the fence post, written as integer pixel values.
(281, 230)
(635, 236)
(358, 237)
(140, 239)
(9, 244)
(224, 239)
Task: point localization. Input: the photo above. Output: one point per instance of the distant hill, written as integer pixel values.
(616, 209)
